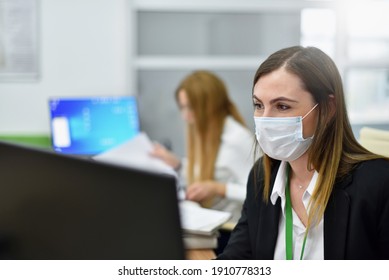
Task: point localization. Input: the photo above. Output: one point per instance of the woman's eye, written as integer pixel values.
(282, 107)
(257, 106)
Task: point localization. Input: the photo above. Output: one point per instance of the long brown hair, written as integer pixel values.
(210, 104)
(334, 151)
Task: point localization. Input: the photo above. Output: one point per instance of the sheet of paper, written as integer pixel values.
(136, 153)
(198, 220)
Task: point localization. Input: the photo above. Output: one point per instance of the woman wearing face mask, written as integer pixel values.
(219, 146)
(316, 193)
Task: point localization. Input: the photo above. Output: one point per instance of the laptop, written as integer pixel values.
(60, 207)
(88, 126)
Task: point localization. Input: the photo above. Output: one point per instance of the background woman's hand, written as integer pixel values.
(204, 190)
(162, 153)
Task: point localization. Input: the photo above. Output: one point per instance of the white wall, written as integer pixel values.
(83, 52)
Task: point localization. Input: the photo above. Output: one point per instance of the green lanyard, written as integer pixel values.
(289, 222)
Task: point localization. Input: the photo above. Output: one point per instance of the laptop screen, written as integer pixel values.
(55, 206)
(92, 125)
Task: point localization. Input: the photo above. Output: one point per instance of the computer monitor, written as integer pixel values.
(60, 207)
(92, 125)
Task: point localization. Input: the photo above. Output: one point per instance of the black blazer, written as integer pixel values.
(356, 220)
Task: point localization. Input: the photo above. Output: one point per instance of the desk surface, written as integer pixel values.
(200, 254)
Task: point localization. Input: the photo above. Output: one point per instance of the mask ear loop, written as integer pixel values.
(310, 110)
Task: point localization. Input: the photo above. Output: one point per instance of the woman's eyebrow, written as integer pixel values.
(281, 98)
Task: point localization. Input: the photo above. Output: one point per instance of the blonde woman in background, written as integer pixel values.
(219, 145)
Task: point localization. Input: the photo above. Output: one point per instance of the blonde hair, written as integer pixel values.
(334, 152)
(210, 104)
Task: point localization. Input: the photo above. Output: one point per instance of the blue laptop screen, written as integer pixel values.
(91, 125)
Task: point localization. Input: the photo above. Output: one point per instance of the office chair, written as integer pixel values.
(375, 140)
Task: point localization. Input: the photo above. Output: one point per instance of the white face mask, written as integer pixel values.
(282, 138)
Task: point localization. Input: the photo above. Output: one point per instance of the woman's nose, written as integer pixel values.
(266, 113)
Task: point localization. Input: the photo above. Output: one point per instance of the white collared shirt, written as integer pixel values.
(232, 166)
(314, 247)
